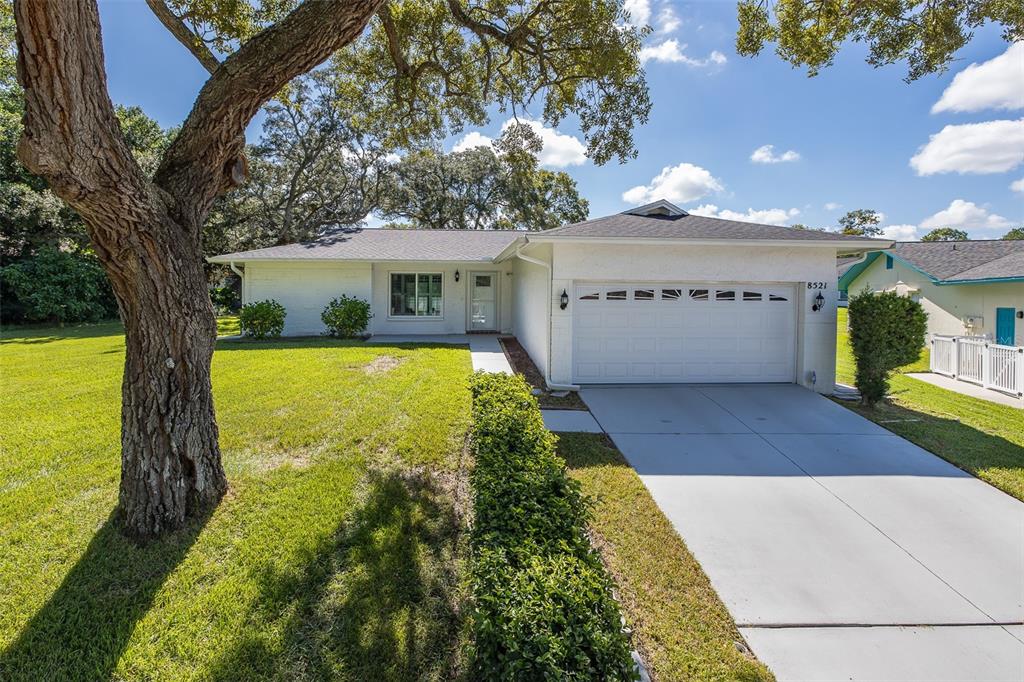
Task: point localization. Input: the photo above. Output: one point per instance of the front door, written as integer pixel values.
(483, 301)
(1005, 326)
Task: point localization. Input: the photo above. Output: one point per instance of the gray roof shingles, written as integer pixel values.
(485, 245)
(970, 260)
(688, 227)
(389, 245)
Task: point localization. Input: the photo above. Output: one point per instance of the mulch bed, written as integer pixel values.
(522, 364)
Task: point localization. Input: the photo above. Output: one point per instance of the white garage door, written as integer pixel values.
(684, 332)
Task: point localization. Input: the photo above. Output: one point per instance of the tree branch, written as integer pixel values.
(186, 36)
(206, 152)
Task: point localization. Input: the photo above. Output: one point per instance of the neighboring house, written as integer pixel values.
(972, 288)
(649, 295)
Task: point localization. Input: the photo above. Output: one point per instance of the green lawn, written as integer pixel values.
(337, 552)
(982, 437)
(682, 629)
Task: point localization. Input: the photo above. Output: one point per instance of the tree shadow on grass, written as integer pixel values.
(380, 600)
(37, 334)
(82, 630)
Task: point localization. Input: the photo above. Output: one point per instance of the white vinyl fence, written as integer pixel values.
(981, 362)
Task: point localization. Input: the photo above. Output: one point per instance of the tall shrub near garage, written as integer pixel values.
(544, 607)
(886, 331)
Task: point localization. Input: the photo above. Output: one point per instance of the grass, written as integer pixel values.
(337, 553)
(681, 628)
(981, 437)
(227, 325)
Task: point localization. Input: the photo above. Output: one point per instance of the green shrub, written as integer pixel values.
(225, 300)
(346, 316)
(59, 286)
(886, 331)
(262, 319)
(543, 601)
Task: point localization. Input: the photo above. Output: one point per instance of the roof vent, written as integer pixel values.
(657, 208)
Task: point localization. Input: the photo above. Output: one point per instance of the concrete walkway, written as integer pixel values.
(966, 388)
(577, 421)
(484, 349)
(843, 551)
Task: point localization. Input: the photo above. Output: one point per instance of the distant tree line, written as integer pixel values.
(311, 172)
(865, 222)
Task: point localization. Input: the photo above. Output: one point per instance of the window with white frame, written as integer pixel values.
(417, 294)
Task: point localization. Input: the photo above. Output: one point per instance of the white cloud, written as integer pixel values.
(668, 21)
(766, 154)
(995, 84)
(990, 147)
(639, 11)
(671, 51)
(767, 216)
(471, 140)
(684, 182)
(559, 151)
(965, 215)
(831, 206)
(1017, 185)
(902, 233)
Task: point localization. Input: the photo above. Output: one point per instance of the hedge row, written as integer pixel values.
(543, 601)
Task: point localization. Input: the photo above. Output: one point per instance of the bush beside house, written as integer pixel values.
(347, 316)
(887, 331)
(544, 607)
(262, 319)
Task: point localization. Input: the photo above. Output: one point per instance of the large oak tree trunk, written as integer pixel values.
(170, 460)
(146, 233)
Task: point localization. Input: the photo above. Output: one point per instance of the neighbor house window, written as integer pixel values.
(416, 294)
(888, 262)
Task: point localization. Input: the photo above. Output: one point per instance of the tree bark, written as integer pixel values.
(147, 233)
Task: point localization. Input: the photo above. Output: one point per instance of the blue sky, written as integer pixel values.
(852, 131)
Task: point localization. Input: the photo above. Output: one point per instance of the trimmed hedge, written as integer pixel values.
(887, 331)
(543, 601)
(346, 317)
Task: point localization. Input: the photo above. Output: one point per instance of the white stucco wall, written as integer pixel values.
(816, 331)
(304, 289)
(456, 307)
(530, 295)
(947, 305)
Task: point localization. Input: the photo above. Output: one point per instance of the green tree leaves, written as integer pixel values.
(924, 34)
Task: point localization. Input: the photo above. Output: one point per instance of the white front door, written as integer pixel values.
(697, 332)
(483, 301)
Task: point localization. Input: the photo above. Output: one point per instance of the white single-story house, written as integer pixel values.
(968, 288)
(653, 294)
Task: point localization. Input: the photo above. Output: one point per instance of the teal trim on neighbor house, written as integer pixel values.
(854, 272)
(1005, 332)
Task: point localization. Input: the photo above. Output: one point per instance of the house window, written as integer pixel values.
(416, 294)
(671, 294)
(888, 262)
(617, 295)
(643, 294)
(698, 294)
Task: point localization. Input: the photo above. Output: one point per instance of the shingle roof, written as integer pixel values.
(969, 261)
(688, 226)
(388, 245)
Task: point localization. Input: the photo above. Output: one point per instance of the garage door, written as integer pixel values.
(684, 332)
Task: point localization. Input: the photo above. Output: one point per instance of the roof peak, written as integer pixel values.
(660, 207)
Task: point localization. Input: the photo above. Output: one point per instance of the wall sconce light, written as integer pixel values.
(819, 302)
(564, 299)
(456, 275)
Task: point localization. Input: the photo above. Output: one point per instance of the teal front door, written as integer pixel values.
(1004, 326)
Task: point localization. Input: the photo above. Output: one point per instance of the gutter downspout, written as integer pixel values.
(547, 364)
(241, 276)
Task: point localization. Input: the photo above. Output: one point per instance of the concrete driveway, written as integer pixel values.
(843, 552)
